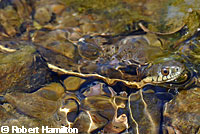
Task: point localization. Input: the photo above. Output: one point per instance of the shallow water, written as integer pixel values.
(104, 66)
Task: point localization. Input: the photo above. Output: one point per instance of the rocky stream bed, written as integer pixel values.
(101, 66)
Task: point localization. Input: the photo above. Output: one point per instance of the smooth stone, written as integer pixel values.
(73, 83)
(144, 109)
(182, 114)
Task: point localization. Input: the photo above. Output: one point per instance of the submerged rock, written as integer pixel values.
(87, 122)
(182, 114)
(117, 125)
(13, 15)
(5, 115)
(41, 104)
(73, 83)
(23, 70)
(126, 43)
(15, 118)
(144, 108)
(10, 20)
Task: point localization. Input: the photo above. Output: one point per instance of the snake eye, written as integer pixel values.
(165, 71)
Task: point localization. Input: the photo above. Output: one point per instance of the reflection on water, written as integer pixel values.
(104, 66)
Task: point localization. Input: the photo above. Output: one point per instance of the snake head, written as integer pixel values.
(166, 70)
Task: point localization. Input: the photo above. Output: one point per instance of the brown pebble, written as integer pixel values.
(73, 83)
(41, 104)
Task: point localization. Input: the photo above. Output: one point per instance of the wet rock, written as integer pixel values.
(23, 8)
(19, 119)
(98, 120)
(52, 4)
(69, 108)
(43, 15)
(10, 20)
(89, 50)
(46, 11)
(144, 108)
(182, 114)
(101, 107)
(74, 34)
(41, 104)
(191, 49)
(13, 15)
(5, 115)
(57, 49)
(87, 122)
(101, 104)
(99, 88)
(117, 125)
(68, 20)
(83, 122)
(57, 8)
(57, 27)
(102, 112)
(23, 70)
(73, 83)
(132, 49)
(115, 17)
(4, 3)
(95, 21)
